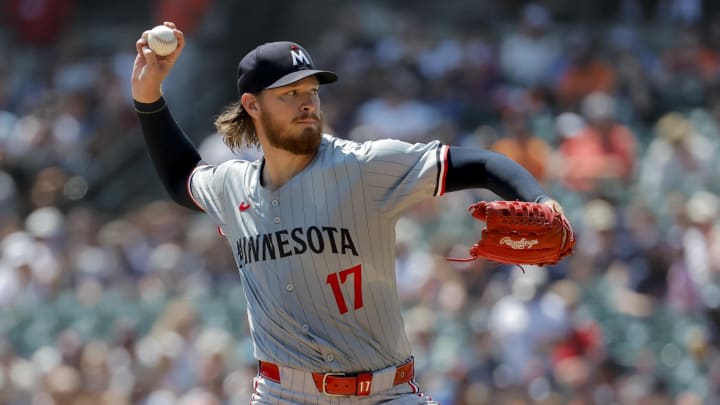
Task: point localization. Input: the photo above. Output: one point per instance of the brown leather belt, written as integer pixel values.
(343, 384)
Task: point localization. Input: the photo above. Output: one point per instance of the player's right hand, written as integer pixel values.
(149, 69)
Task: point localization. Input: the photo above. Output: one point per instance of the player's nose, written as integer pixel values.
(309, 104)
(308, 107)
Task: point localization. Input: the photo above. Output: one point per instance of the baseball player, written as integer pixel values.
(312, 223)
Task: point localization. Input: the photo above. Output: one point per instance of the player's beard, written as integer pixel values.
(280, 136)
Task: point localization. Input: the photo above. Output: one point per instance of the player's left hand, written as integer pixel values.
(519, 232)
(149, 69)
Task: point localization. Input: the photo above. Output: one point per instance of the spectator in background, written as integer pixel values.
(678, 159)
(527, 54)
(635, 64)
(585, 73)
(186, 13)
(398, 112)
(522, 146)
(526, 322)
(38, 23)
(701, 247)
(576, 355)
(686, 12)
(603, 153)
(688, 68)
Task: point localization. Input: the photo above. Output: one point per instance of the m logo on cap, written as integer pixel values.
(299, 57)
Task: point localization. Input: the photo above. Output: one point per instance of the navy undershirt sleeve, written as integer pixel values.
(172, 153)
(480, 168)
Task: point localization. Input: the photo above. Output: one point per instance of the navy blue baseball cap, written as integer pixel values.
(276, 64)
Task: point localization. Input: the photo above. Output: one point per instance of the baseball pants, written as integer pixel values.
(296, 387)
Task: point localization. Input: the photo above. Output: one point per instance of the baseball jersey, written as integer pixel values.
(316, 257)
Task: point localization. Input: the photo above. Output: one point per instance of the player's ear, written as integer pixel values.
(250, 103)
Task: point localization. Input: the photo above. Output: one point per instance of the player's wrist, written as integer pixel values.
(543, 199)
(147, 94)
(149, 107)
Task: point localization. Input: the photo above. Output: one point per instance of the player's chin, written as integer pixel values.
(305, 142)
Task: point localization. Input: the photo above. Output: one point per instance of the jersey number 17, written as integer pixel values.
(335, 279)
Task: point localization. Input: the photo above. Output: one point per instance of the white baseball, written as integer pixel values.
(162, 40)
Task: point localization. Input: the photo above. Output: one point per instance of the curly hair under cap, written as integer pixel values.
(236, 127)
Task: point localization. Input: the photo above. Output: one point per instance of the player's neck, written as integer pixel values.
(281, 166)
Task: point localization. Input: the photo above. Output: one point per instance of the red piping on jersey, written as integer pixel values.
(443, 169)
(189, 191)
(414, 387)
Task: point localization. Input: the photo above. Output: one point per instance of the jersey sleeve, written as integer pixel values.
(398, 174)
(206, 187)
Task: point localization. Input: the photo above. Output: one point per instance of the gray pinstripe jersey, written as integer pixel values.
(317, 256)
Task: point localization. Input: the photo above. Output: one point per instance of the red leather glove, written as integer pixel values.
(519, 232)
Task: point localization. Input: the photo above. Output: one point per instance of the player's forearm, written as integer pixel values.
(172, 153)
(479, 168)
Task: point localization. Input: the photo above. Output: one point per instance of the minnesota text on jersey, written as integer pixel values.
(285, 243)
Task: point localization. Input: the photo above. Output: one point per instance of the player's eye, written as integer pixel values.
(291, 92)
(315, 91)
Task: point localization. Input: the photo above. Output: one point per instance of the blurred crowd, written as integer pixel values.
(620, 121)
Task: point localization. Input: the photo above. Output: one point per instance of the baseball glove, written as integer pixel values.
(518, 232)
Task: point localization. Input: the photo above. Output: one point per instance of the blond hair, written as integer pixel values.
(236, 127)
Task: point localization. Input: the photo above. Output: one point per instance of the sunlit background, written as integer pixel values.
(110, 294)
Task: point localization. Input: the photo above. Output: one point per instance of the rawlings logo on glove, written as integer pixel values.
(518, 232)
(519, 244)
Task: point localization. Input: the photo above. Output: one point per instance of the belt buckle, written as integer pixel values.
(324, 384)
